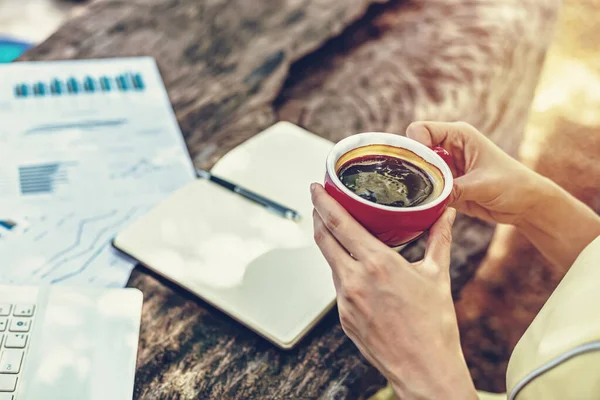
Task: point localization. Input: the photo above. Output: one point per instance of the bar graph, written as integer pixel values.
(125, 82)
(41, 178)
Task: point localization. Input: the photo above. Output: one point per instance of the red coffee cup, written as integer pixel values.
(394, 226)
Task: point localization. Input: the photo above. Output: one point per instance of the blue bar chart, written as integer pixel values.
(126, 82)
(41, 179)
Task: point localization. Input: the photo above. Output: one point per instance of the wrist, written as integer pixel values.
(452, 382)
(539, 196)
(453, 390)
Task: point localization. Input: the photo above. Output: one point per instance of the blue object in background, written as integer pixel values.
(11, 49)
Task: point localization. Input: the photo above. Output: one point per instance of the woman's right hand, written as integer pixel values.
(488, 183)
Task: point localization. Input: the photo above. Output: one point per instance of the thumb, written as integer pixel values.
(440, 239)
(465, 188)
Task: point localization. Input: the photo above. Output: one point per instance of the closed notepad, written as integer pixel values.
(261, 269)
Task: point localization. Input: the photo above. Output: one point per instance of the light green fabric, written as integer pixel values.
(491, 396)
(387, 393)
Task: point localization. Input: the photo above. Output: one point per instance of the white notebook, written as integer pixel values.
(261, 269)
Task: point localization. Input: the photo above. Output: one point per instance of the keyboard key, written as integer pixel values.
(1, 338)
(6, 396)
(5, 309)
(10, 361)
(15, 341)
(24, 310)
(8, 383)
(20, 325)
(3, 324)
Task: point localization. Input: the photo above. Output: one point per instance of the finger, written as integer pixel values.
(469, 188)
(440, 239)
(349, 233)
(455, 138)
(432, 133)
(452, 136)
(337, 257)
(461, 190)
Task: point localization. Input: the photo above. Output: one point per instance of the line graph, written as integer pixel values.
(93, 245)
(140, 168)
(75, 248)
(83, 266)
(78, 234)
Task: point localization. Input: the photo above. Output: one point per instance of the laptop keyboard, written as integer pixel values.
(15, 325)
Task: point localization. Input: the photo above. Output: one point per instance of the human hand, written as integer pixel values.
(400, 315)
(488, 183)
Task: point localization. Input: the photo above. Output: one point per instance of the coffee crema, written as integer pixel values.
(390, 176)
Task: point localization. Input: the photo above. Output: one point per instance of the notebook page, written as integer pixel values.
(260, 268)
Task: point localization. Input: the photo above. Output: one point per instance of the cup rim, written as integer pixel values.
(390, 139)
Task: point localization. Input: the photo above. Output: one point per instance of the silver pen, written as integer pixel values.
(270, 205)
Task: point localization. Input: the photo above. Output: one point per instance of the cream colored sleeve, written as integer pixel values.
(558, 357)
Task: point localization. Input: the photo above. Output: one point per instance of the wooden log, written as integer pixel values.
(445, 60)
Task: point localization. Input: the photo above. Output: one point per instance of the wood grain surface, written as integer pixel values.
(232, 68)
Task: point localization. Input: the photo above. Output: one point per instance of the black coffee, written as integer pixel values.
(387, 180)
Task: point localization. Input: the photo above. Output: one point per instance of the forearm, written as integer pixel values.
(559, 225)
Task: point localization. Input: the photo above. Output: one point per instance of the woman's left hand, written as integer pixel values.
(399, 314)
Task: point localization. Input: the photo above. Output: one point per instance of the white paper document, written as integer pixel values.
(86, 146)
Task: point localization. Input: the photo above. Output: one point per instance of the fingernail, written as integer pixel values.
(313, 186)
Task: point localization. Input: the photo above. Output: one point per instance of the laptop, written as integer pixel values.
(59, 343)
